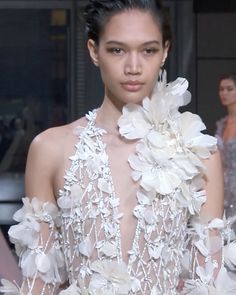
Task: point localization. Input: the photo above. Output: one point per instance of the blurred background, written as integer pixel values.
(46, 78)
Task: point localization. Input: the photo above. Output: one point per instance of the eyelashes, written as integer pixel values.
(120, 51)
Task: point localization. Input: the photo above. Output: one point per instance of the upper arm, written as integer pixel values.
(213, 208)
(41, 255)
(40, 168)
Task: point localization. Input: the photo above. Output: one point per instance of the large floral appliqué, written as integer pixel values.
(171, 143)
(109, 278)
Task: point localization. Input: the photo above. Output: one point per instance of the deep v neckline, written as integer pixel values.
(135, 235)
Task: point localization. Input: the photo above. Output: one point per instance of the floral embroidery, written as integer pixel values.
(170, 239)
(171, 146)
(109, 277)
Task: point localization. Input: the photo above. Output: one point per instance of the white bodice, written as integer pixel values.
(77, 246)
(91, 225)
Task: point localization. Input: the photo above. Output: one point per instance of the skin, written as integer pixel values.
(123, 59)
(129, 57)
(227, 94)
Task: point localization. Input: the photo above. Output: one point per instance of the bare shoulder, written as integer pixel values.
(46, 153)
(45, 146)
(51, 143)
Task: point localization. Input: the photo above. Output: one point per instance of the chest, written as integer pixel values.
(108, 218)
(103, 202)
(229, 130)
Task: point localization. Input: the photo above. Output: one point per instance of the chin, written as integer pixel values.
(136, 98)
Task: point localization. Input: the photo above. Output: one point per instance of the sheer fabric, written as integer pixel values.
(82, 242)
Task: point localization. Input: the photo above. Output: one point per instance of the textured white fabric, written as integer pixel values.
(170, 243)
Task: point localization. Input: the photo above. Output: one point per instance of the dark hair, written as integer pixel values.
(230, 76)
(98, 12)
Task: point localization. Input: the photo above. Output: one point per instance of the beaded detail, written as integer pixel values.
(90, 222)
(173, 251)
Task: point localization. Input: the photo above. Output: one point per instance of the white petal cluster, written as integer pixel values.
(9, 288)
(209, 247)
(109, 278)
(171, 144)
(73, 289)
(39, 257)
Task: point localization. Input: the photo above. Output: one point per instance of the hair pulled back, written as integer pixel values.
(98, 12)
(230, 76)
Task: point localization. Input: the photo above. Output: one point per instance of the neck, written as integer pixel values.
(232, 111)
(108, 115)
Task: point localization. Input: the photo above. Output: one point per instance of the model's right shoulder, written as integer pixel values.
(45, 144)
(52, 141)
(44, 160)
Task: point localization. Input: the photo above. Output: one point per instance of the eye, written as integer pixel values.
(116, 50)
(150, 51)
(229, 89)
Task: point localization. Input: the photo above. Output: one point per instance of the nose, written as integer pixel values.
(133, 64)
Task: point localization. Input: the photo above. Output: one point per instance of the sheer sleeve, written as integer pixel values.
(37, 243)
(210, 261)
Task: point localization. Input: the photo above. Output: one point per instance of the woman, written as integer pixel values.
(226, 133)
(133, 204)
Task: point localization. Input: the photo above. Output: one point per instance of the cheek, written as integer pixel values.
(106, 73)
(110, 69)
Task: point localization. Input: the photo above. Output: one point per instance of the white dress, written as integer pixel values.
(79, 242)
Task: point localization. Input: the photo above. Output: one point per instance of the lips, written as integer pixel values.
(132, 86)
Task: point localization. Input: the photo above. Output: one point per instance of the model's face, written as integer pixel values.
(227, 92)
(130, 54)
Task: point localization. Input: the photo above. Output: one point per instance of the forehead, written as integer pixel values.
(132, 25)
(227, 82)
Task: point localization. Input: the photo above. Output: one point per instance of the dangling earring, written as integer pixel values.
(96, 63)
(160, 75)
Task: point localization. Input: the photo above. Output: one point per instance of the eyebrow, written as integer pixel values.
(123, 44)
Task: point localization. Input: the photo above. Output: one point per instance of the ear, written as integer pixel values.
(166, 49)
(93, 51)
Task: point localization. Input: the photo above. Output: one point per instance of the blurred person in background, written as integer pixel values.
(226, 134)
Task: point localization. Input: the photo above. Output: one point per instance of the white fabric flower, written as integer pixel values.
(37, 210)
(109, 249)
(49, 266)
(205, 272)
(73, 289)
(95, 164)
(85, 247)
(25, 235)
(104, 185)
(190, 126)
(225, 283)
(73, 199)
(195, 287)
(135, 122)
(171, 143)
(8, 288)
(155, 250)
(109, 278)
(155, 170)
(190, 197)
(229, 251)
